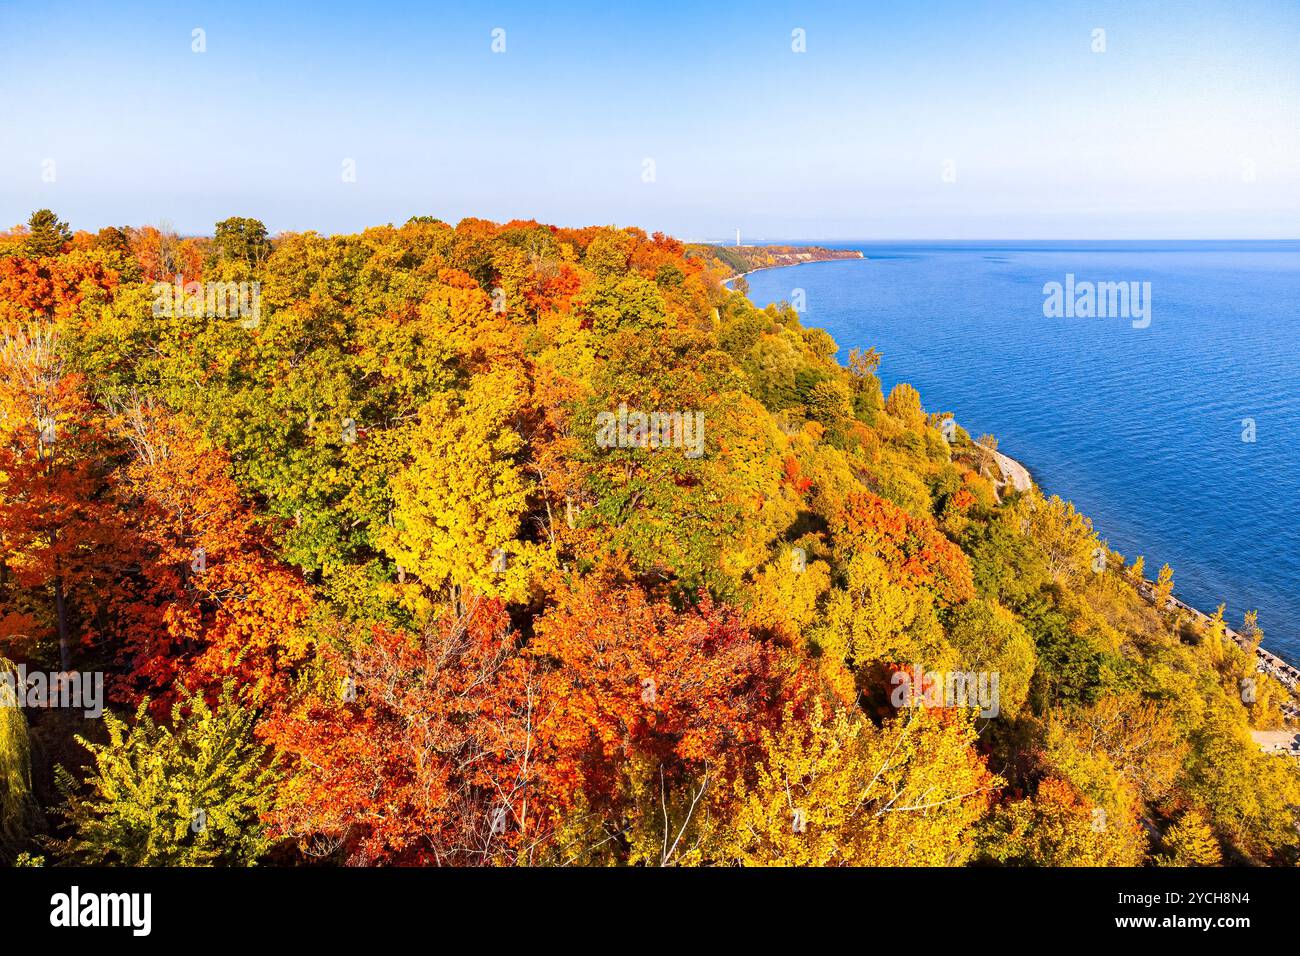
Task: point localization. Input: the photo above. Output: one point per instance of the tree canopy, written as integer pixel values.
(500, 544)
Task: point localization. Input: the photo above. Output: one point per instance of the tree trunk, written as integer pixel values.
(61, 610)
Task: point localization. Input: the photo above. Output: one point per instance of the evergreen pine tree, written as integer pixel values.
(46, 234)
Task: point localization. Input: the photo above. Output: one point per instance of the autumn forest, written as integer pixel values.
(508, 544)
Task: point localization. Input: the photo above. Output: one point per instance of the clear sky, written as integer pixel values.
(1187, 126)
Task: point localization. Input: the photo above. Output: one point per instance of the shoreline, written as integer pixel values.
(789, 265)
(1266, 662)
(1286, 672)
(1021, 479)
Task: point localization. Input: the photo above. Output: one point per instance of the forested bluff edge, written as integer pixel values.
(510, 544)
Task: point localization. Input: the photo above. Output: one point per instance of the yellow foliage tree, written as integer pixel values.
(872, 618)
(786, 591)
(1058, 826)
(1064, 536)
(459, 504)
(1164, 588)
(840, 791)
(1191, 842)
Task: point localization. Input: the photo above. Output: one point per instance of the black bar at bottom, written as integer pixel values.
(336, 906)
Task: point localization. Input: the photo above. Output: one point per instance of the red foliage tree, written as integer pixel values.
(916, 552)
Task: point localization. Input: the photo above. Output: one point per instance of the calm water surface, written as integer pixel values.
(1142, 428)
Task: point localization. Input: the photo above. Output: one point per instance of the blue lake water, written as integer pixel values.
(1142, 428)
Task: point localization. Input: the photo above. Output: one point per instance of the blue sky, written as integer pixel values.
(1187, 126)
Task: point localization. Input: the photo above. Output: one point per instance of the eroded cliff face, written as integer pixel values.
(1015, 474)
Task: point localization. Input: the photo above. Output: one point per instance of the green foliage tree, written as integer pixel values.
(46, 234)
(989, 638)
(607, 254)
(190, 794)
(631, 302)
(242, 239)
(829, 403)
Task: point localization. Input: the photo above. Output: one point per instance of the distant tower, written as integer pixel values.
(737, 235)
